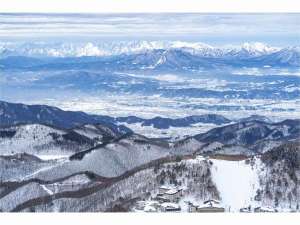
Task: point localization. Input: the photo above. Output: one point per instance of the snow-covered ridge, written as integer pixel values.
(129, 47)
(258, 48)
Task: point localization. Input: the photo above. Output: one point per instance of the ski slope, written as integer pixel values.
(237, 183)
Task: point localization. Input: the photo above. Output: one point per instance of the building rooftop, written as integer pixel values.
(170, 205)
(267, 209)
(210, 204)
(149, 208)
(172, 192)
(165, 187)
(212, 201)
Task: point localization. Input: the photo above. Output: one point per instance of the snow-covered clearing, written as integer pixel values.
(59, 162)
(174, 133)
(51, 157)
(237, 183)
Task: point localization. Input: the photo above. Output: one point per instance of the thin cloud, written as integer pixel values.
(185, 25)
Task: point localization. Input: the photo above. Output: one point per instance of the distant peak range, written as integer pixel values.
(143, 55)
(132, 47)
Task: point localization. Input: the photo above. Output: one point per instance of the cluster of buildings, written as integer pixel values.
(167, 199)
(168, 194)
(171, 199)
(211, 205)
(259, 209)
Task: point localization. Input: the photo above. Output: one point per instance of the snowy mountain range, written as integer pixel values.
(251, 164)
(132, 56)
(39, 139)
(42, 132)
(52, 160)
(12, 114)
(39, 49)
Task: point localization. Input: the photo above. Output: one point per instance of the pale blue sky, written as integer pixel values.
(217, 29)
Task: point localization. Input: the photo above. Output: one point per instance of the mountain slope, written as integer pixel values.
(41, 139)
(256, 135)
(118, 156)
(13, 113)
(280, 181)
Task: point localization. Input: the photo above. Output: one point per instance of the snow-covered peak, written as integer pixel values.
(292, 50)
(289, 55)
(258, 48)
(90, 50)
(194, 45)
(138, 46)
(129, 47)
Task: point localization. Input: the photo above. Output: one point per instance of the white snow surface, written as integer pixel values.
(28, 137)
(52, 157)
(151, 106)
(174, 133)
(237, 183)
(47, 190)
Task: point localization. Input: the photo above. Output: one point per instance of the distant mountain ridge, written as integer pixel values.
(129, 47)
(41, 139)
(165, 123)
(47, 128)
(147, 55)
(14, 113)
(259, 136)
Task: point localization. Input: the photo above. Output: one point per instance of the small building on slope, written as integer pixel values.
(207, 207)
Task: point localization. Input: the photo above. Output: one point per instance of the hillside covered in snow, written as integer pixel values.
(150, 112)
(249, 165)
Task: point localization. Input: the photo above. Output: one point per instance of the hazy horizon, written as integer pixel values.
(278, 29)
